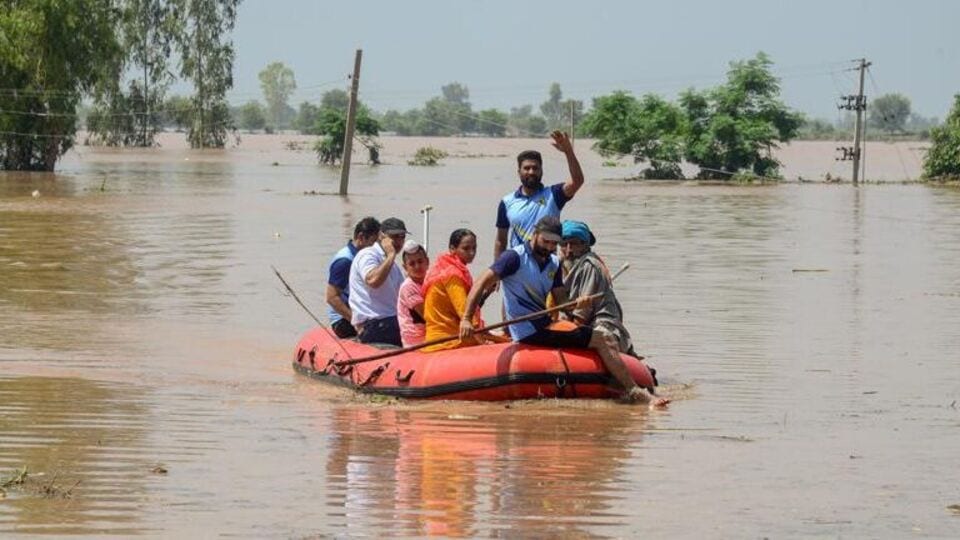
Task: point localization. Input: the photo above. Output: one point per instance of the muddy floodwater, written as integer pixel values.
(809, 334)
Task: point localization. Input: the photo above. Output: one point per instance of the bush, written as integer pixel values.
(427, 156)
(942, 161)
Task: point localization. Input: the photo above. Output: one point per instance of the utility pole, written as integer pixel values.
(573, 120)
(351, 124)
(856, 103)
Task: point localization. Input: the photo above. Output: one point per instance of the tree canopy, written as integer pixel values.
(53, 53)
(278, 83)
(890, 112)
(729, 129)
(943, 158)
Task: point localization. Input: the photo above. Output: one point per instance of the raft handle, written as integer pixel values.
(405, 378)
(375, 374)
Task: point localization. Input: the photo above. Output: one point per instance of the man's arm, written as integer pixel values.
(487, 280)
(337, 303)
(500, 244)
(375, 277)
(561, 141)
(503, 225)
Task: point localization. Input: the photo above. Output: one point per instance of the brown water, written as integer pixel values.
(810, 334)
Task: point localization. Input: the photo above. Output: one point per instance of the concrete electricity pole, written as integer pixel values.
(856, 103)
(351, 124)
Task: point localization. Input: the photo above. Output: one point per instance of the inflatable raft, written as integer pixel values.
(495, 372)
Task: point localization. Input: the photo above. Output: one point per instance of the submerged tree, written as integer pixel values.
(332, 124)
(132, 117)
(278, 84)
(735, 126)
(890, 112)
(650, 130)
(207, 61)
(51, 54)
(943, 158)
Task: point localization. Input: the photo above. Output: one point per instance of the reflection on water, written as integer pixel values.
(531, 471)
(816, 324)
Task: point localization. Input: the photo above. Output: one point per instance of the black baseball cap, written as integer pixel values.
(391, 226)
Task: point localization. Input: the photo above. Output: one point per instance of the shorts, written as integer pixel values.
(343, 329)
(557, 339)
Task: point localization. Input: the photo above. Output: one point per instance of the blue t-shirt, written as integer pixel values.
(339, 276)
(520, 213)
(526, 282)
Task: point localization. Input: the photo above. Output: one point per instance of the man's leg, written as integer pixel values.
(606, 347)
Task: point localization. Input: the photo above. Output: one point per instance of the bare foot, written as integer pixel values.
(660, 403)
(639, 395)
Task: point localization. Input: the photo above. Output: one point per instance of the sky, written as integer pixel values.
(509, 52)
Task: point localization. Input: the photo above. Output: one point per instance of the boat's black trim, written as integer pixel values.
(464, 386)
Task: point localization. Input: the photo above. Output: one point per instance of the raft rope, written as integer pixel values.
(312, 316)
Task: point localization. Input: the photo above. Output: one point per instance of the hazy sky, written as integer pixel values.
(508, 52)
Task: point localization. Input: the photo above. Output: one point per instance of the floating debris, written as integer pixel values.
(955, 508)
(159, 469)
(811, 270)
(18, 478)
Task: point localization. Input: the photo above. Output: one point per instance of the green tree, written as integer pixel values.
(278, 83)
(177, 112)
(402, 123)
(252, 116)
(131, 116)
(735, 127)
(206, 53)
(650, 129)
(552, 109)
(439, 119)
(116, 122)
(306, 119)
(523, 123)
(332, 124)
(890, 112)
(492, 123)
(943, 158)
(53, 53)
(336, 99)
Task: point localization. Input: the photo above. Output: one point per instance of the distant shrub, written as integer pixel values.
(427, 156)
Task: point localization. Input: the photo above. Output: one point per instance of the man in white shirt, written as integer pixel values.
(375, 280)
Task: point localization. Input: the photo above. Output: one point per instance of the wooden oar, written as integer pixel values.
(482, 329)
(538, 314)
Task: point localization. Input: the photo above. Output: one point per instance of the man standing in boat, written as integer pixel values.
(528, 273)
(520, 211)
(365, 233)
(375, 280)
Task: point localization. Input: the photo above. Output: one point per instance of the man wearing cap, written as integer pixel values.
(585, 274)
(365, 233)
(520, 210)
(528, 273)
(375, 280)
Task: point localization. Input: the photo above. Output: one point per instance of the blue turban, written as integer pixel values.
(579, 230)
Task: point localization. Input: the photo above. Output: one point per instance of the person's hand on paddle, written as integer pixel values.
(561, 141)
(466, 329)
(583, 302)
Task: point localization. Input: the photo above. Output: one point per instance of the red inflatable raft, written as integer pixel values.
(495, 372)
